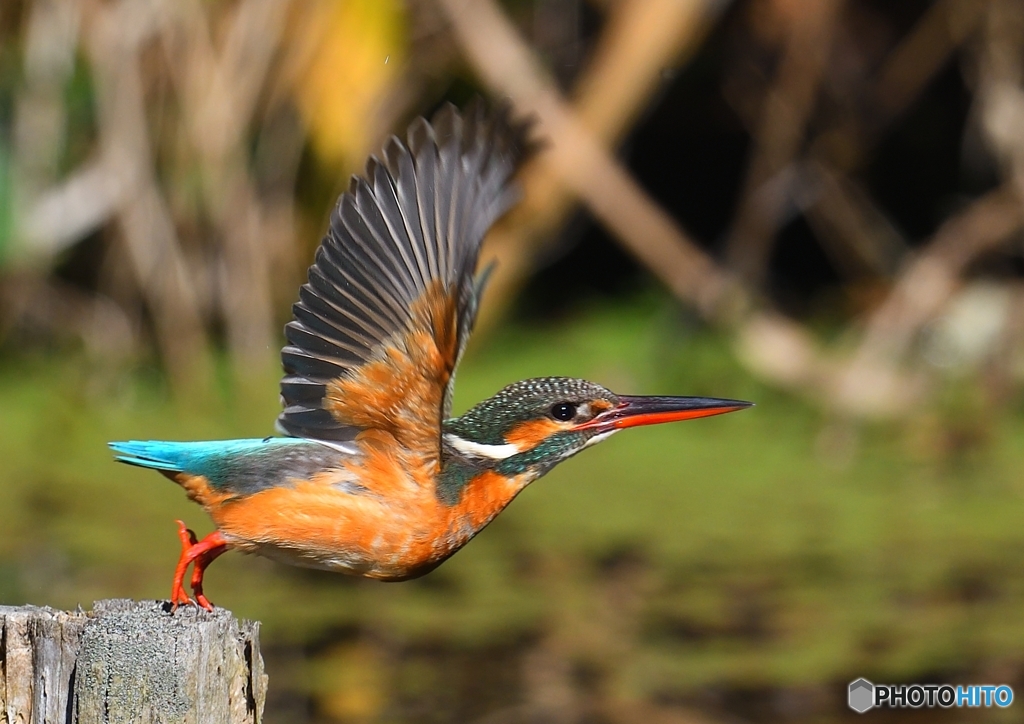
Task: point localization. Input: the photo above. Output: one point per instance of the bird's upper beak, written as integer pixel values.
(634, 411)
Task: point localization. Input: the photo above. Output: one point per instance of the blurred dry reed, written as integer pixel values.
(203, 112)
(182, 93)
(804, 158)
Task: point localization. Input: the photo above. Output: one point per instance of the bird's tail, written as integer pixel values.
(207, 457)
(155, 454)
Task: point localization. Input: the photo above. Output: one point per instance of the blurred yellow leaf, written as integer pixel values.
(359, 49)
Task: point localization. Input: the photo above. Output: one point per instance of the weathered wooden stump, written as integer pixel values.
(129, 662)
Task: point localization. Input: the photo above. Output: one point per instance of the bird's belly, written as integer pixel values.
(350, 561)
(317, 526)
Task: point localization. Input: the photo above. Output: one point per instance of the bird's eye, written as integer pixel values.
(563, 411)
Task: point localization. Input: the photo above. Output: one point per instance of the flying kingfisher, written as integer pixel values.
(372, 476)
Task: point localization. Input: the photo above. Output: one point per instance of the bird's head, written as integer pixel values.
(535, 424)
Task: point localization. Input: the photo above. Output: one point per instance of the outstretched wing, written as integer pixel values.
(391, 298)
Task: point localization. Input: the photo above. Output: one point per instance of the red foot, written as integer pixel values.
(202, 554)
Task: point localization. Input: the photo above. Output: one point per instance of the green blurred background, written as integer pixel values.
(812, 204)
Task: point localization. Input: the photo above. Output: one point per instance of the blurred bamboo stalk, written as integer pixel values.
(869, 381)
(220, 60)
(919, 57)
(855, 232)
(1001, 93)
(931, 278)
(905, 73)
(780, 133)
(875, 380)
(53, 214)
(150, 237)
(505, 63)
(642, 39)
(219, 91)
(40, 122)
(581, 162)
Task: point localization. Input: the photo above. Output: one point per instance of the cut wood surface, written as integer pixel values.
(128, 662)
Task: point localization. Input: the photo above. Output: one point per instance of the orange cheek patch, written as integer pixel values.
(528, 435)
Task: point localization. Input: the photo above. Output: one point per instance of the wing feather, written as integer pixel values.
(319, 314)
(366, 300)
(391, 296)
(444, 182)
(421, 140)
(400, 165)
(394, 226)
(308, 365)
(302, 391)
(322, 297)
(369, 253)
(371, 204)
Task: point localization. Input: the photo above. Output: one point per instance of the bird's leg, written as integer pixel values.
(200, 567)
(188, 539)
(202, 553)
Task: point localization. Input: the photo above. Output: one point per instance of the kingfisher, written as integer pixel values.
(371, 475)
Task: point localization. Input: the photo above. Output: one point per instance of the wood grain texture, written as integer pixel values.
(129, 662)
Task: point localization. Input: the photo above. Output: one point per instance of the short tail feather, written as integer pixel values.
(203, 457)
(155, 454)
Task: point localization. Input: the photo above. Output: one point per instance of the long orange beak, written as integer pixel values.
(634, 411)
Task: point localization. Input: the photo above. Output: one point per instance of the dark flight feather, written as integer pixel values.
(417, 216)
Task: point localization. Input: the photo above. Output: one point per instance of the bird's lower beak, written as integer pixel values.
(634, 411)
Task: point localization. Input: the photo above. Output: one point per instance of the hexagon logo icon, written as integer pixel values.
(861, 695)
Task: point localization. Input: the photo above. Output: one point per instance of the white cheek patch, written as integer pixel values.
(598, 438)
(479, 450)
